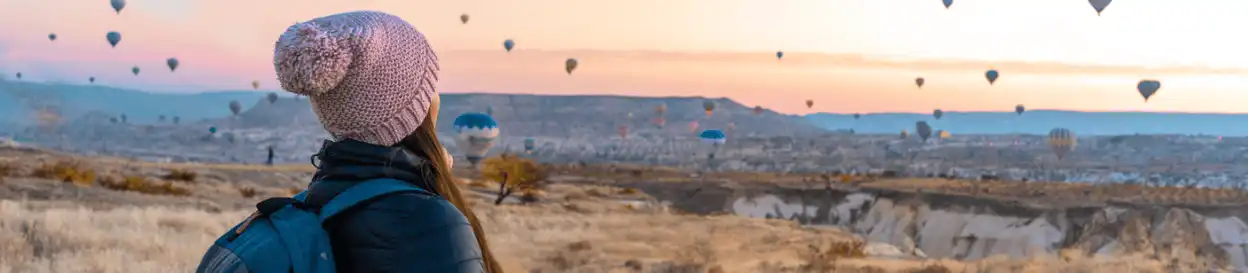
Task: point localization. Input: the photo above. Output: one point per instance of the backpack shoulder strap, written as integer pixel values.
(364, 191)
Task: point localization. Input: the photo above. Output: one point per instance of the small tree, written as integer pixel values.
(512, 174)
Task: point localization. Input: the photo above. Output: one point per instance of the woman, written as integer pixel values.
(370, 78)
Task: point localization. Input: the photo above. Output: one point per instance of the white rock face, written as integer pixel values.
(970, 232)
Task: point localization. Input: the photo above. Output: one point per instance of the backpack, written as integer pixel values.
(286, 235)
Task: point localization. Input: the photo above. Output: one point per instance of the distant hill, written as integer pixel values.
(1041, 121)
(519, 114)
(19, 100)
(575, 115)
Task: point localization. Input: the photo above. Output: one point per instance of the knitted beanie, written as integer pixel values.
(369, 75)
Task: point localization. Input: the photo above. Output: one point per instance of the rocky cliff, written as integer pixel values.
(937, 225)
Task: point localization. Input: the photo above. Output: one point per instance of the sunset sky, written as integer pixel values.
(847, 55)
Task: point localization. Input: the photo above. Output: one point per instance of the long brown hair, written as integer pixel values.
(425, 142)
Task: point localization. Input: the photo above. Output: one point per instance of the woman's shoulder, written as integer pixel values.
(425, 208)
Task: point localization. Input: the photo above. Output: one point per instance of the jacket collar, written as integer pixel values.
(354, 161)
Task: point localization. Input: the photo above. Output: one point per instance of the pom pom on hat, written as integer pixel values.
(310, 61)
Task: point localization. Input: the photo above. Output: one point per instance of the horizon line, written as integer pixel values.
(894, 61)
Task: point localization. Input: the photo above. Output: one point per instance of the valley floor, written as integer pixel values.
(50, 226)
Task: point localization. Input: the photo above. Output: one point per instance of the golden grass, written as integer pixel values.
(544, 237)
(247, 192)
(143, 185)
(68, 171)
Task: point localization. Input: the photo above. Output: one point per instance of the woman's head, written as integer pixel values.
(371, 77)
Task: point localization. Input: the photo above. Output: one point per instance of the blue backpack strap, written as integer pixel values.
(363, 191)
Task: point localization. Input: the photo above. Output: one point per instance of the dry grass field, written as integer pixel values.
(60, 213)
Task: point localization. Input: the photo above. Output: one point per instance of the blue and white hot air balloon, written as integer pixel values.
(529, 144)
(475, 135)
(713, 138)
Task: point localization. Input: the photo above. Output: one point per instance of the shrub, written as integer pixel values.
(66, 171)
(531, 196)
(823, 258)
(247, 192)
(142, 185)
(628, 191)
(595, 193)
(573, 256)
(181, 175)
(6, 170)
(512, 174)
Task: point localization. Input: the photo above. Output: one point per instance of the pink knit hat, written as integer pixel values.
(369, 75)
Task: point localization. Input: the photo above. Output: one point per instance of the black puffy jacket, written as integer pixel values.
(407, 232)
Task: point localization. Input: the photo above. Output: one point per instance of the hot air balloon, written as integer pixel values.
(235, 107)
(272, 97)
(905, 134)
(810, 103)
(857, 115)
(52, 37)
(938, 113)
(659, 110)
(212, 130)
(942, 134)
(693, 126)
(1099, 5)
(255, 85)
(713, 140)
(475, 135)
(19, 75)
(1019, 109)
(992, 76)
(173, 64)
(1062, 141)
(924, 130)
(758, 110)
(113, 38)
(91, 79)
(1148, 88)
(948, 3)
(508, 44)
(118, 5)
(570, 65)
(529, 144)
(919, 81)
(779, 55)
(622, 131)
(463, 18)
(135, 70)
(709, 106)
